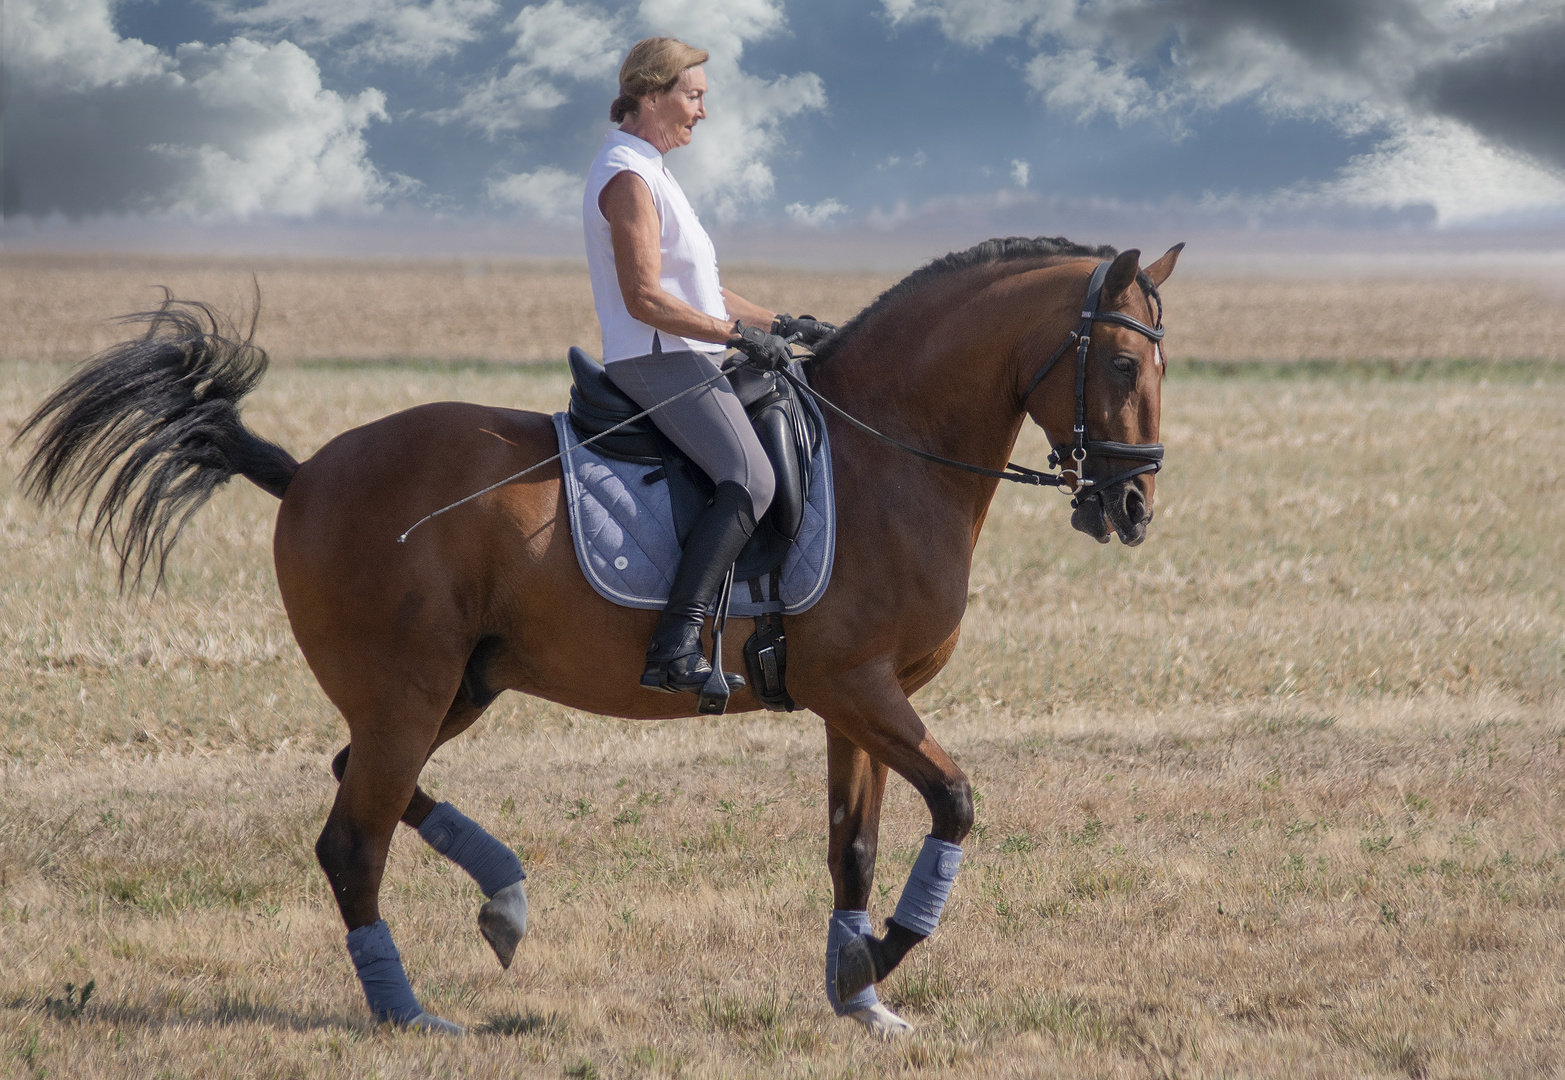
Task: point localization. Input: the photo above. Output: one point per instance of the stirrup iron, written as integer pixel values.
(713, 699)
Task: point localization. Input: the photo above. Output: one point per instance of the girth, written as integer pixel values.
(786, 430)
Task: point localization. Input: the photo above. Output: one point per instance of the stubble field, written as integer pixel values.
(1275, 794)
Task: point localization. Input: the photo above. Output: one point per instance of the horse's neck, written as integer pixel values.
(948, 393)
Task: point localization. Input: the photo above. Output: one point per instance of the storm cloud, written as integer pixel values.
(1477, 89)
(1512, 89)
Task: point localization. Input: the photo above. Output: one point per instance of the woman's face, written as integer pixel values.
(671, 118)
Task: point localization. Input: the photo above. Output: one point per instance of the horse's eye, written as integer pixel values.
(1126, 364)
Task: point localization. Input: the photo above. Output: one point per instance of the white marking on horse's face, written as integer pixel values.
(842, 812)
(1157, 354)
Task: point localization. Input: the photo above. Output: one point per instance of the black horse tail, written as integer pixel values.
(160, 413)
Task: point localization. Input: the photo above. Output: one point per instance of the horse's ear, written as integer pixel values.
(1122, 274)
(1160, 270)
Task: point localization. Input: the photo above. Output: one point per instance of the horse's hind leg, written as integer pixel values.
(871, 710)
(377, 784)
(855, 786)
(492, 865)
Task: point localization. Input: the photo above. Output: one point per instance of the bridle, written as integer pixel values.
(1073, 480)
(1150, 454)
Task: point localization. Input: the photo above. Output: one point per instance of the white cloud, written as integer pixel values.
(97, 123)
(815, 216)
(1416, 167)
(1074, 81)
(546, 193)
(390, 30)
(1021, 172)
(556, 38)
(557, 44)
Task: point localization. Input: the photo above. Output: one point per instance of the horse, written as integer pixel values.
(412, 641)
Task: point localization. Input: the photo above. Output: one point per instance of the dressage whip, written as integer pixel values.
(550, 460)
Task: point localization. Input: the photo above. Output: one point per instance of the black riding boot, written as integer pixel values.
(674, 659)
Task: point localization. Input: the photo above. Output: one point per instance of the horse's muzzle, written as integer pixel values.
(1122, 509)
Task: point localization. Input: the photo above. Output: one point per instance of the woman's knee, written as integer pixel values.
(762, 486)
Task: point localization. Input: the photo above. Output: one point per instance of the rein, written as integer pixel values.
(1149, 453)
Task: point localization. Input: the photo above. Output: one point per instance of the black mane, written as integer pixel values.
(1000, 249)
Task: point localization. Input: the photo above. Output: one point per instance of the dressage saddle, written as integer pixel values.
(787, 431)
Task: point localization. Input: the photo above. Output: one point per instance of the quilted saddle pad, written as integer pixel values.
(623, 532)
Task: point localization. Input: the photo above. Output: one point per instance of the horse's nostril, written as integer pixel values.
(1135, 504)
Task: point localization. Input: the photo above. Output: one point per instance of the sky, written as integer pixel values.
(826, 117)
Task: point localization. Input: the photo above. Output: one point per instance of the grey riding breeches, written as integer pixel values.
(709, 426)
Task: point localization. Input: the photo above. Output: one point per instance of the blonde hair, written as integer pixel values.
(653, 66)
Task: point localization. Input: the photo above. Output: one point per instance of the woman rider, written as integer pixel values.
(666, 321)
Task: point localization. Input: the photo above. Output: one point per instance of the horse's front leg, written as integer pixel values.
(855, 785)
(871, 711)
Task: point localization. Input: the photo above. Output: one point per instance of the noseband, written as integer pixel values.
(1151, 454)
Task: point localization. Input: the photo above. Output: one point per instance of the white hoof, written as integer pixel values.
(434, 1025)
(881, 1022)
(503, 921)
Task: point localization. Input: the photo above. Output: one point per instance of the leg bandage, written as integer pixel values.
(928, 885)
(846, 925)
(379, 965)
(462, 840)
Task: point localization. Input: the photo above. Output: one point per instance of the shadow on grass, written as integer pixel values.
(519, 1024)
(226, 1012)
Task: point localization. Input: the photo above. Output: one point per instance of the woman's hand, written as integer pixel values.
(807, 330)
(761, 350)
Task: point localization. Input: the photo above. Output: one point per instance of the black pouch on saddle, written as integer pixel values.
(766, 655)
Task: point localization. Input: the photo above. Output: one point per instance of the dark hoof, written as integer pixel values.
(855, 968)
(503, 921)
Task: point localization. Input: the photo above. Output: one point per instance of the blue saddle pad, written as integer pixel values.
(623, 531)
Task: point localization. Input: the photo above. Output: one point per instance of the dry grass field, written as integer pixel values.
(1275, 794)
(59, 307)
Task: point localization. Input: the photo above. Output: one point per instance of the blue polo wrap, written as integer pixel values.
(379, 965)
(462, 840)
(846, 925)
(928, 886)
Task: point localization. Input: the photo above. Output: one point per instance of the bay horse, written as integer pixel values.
(411, 642)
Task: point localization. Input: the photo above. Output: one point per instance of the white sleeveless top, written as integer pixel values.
(689, 260)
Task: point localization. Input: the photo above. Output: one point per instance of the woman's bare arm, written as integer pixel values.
(746, 312)
(638, 263)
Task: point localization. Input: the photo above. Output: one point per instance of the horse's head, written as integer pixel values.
(1119, 397)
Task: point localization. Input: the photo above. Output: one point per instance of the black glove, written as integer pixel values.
(810, 331)
(761, 350)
